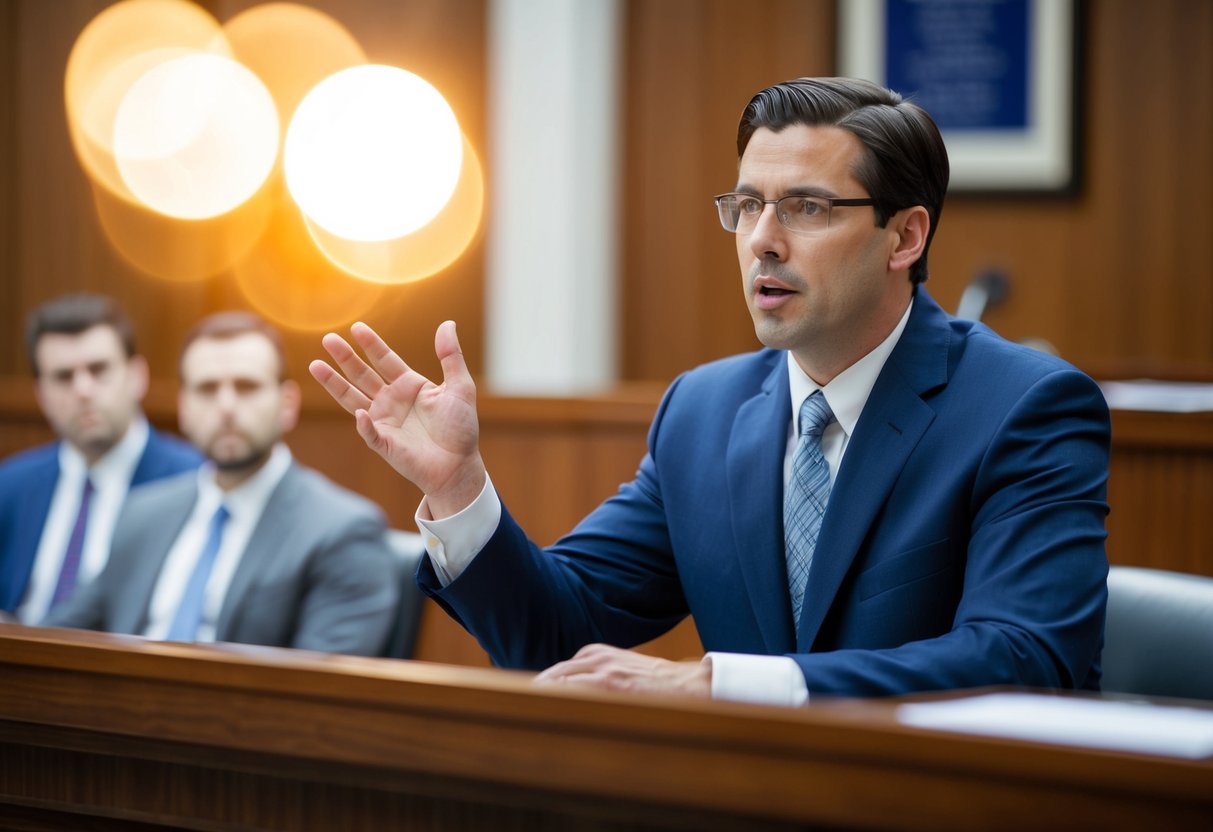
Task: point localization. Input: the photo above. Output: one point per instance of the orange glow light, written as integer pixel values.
(288, 281)
(114, 49)
(372, 153)
(291, 48)
(196, 136)
(426, 251)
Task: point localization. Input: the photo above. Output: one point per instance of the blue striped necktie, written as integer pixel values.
(805, 498)
(189, 611)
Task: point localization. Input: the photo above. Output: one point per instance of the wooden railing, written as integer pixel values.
(107, 732)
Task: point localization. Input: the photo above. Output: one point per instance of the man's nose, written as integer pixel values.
(84, 384)
(768, 240)
(226, 399)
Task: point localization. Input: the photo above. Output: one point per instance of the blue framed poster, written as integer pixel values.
(998, 76)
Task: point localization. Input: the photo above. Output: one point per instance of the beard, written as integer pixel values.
(248, 455)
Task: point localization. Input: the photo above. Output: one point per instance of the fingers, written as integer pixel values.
(356, 371)
(344, 393)
(584, 666)
(455, 375)
(389, 365)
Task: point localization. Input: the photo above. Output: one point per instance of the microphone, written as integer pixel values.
(988, 288)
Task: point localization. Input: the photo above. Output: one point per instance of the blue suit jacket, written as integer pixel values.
(27, 485)
(963, 543)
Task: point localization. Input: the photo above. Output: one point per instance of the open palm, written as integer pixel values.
(428, 432)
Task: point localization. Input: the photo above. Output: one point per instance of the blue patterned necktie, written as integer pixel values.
(189, 611)
(75, 548)
(805, 498)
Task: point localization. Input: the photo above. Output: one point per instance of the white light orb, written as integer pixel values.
(196, 136)
(372, 153)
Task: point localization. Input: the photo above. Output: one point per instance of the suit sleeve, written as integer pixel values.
(1034, 588)
(352, 591)
(612, 580)
(84, 610)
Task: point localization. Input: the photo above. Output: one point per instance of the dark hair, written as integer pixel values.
(905, 162)
(224, 325)
(73, 314)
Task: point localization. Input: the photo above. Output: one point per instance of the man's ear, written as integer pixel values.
(912, 226)
(291, 401)
(136, 367)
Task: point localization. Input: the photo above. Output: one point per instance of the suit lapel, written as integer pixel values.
(754, 461)
(29, 520)
(263, 545)
(893, 421)
(144, 564)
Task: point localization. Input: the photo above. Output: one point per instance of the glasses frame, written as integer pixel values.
(831, 202)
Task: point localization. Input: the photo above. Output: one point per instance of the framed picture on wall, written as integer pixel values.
(1000, 78)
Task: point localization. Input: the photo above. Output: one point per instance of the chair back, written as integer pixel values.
(1159, 635)
(409, 550)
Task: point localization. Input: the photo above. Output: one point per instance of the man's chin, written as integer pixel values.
(240, 463)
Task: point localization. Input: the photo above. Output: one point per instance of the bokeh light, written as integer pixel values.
(426, 251)
(372, 153)
(183, 251)
(291, 48)
(114, 49)
(286, 279)
(196, 136)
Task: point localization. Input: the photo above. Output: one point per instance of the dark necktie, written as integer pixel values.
(189, 611)
(805, 498)
(75, 546)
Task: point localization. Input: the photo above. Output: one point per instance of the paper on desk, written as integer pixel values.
(1166, 396)
(1093, 723)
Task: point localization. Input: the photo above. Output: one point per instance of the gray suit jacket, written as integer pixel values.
(317, 573)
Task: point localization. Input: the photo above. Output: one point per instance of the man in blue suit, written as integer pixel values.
(884, 500)
(59, 502)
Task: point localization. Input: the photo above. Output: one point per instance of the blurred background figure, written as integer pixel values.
(59, 502)
(253, 547)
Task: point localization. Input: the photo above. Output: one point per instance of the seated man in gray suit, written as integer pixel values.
(253, 547)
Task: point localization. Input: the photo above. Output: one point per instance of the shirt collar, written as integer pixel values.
(116, 466)
(848, 392)
(248, 498)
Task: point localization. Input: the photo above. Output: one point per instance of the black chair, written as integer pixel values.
(409, 551)
(1159, 635)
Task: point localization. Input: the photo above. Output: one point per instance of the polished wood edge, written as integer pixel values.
(491, 694)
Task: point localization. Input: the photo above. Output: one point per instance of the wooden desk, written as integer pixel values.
(113, 732)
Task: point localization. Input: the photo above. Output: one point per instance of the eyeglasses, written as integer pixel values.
(803, 214)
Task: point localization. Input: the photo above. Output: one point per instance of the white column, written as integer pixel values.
(552, 179)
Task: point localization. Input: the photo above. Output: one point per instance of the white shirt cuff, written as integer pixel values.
(758, 680)
(454, 541)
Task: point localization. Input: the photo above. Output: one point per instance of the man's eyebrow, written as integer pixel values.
(797, 190)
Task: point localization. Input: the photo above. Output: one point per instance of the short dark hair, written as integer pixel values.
(73, 314)
(231, 324)
(905, 161)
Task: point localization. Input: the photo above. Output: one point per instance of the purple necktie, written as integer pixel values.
(75, 545)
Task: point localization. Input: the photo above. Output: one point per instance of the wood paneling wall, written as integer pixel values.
(1118, 278)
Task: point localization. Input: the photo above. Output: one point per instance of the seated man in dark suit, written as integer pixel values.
(884, 500)
(58, 502)
(253, 547)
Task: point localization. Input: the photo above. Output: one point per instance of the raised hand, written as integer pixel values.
(428, 432)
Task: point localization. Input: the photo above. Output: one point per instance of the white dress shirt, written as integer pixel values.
(245, 504)
(111, 477)
(454, 541)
